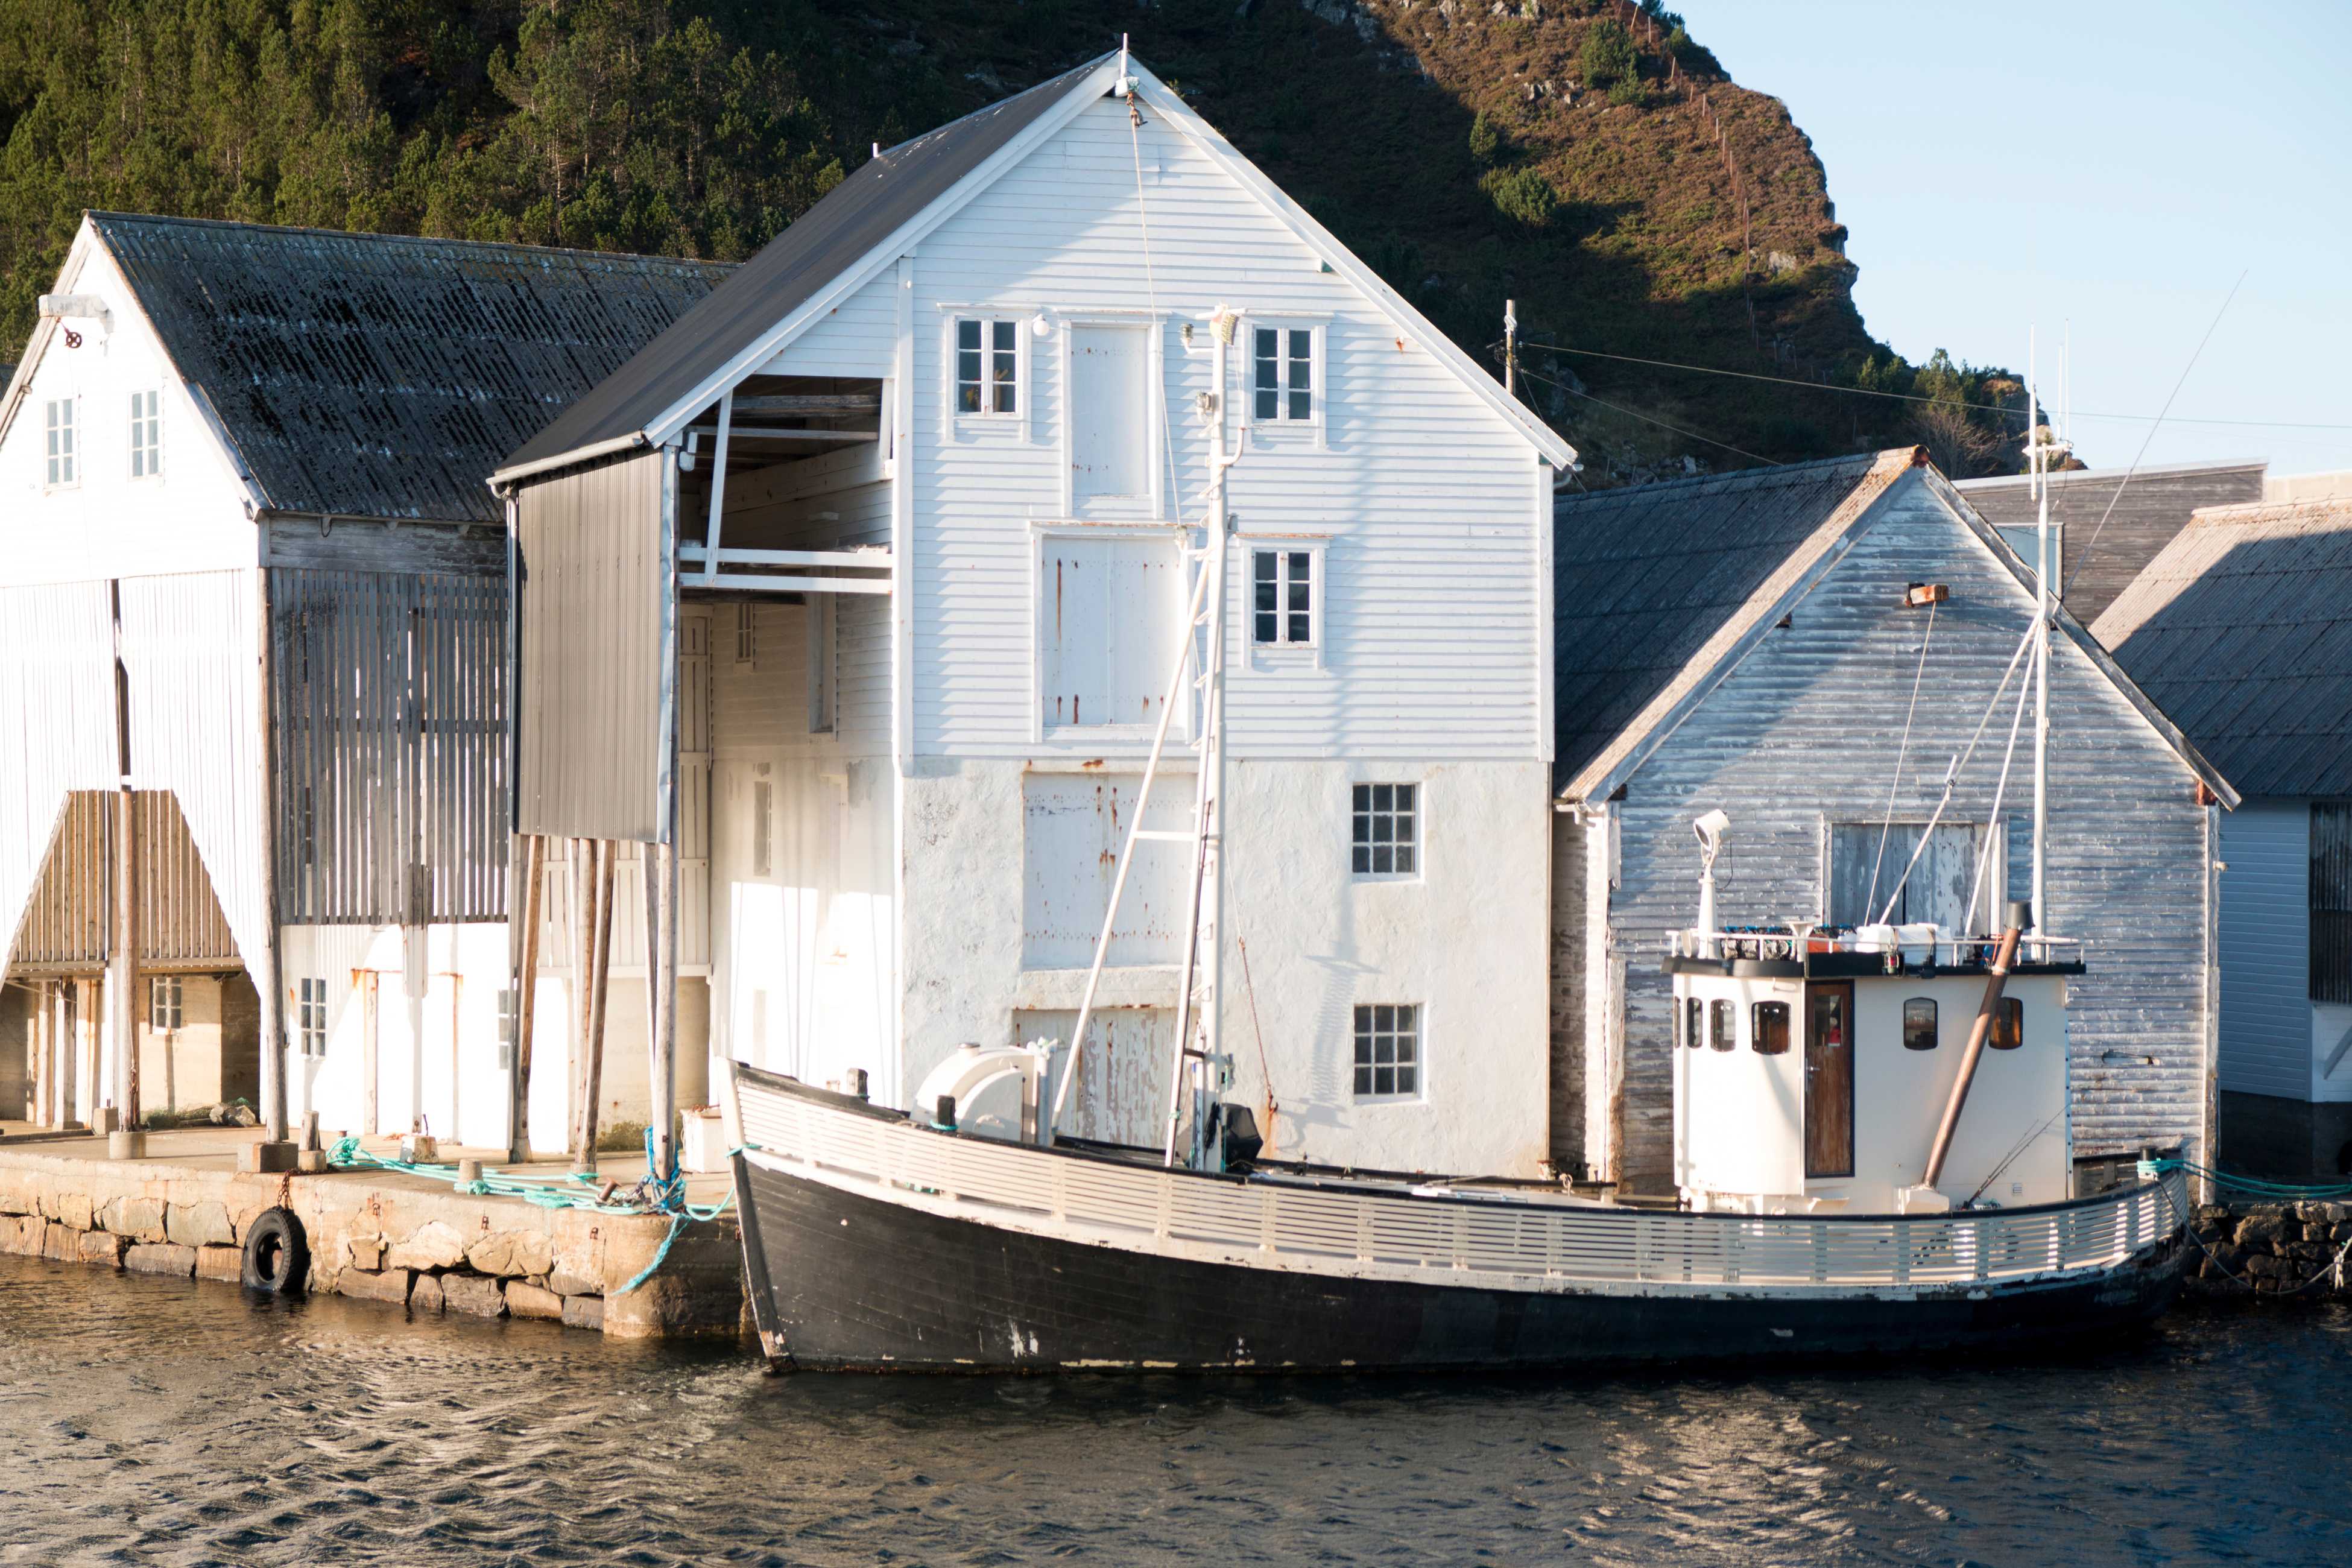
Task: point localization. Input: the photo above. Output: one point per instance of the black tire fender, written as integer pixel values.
(277, 1254)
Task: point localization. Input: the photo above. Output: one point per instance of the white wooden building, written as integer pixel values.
(245, 463)
(2239, 627)
(961, 413)
(1751, 643)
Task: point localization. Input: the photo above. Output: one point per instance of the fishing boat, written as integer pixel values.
(1836, 1197)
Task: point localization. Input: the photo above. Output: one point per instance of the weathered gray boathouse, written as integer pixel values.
(1808, 649)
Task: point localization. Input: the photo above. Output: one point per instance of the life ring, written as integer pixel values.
(277, 1255)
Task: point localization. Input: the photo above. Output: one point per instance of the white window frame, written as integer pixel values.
(1284, 654)
(166, 1004)
(1091, 736)
(61, 467)
(1419, 1094)
(988, 317)
(1152, 505)
(149, 424)
(1282, 426)
(310, 1016)
(823, 672)
(747, 635)
(1419, 830)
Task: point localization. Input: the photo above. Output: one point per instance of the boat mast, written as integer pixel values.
(1201, 992)
(2042, 445)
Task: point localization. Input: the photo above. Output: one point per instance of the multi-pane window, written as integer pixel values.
(1385, 833)
(1919, 1024)
(59, 427)
(2007, 1026)
(1388, 1051)
(506, 1028)
(747, 633)
(146, 435)
(1283, 378)
(1722, 1025)
(1771, 1038)
(1282, 598)
(310, 1016)
(987, 366)
(164, 1003)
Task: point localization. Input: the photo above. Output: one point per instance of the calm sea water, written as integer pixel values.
(145, 1421)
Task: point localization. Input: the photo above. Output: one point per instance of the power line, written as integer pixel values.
(2176, 385)
(1526, 347)
(1644, 418)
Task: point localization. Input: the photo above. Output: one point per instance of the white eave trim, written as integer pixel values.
(507, 479)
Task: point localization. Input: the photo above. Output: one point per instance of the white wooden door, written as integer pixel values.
(1110, 414)
(1110, 607)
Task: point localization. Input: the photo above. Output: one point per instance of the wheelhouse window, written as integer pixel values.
(164, 1000)
(1283, 598)
(58, 428)
(1919, 1024)
(146, 435)
(1771, 1038)
(1385, 832)
(2008, 1024)
(987, 366)
(1722, 1025)
(1388, 1051)
(1283, 378)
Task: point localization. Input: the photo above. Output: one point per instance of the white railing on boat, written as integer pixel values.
(1548, 1245)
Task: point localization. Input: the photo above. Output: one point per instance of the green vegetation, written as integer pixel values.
(1460, 159)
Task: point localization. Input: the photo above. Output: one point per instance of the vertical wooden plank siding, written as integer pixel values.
(57, 724)
(2266, 1025)
(391, 706)
(589, 741)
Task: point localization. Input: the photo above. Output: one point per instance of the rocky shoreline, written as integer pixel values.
(2275, 1249)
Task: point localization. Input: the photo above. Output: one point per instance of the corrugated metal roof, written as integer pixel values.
(828, 239)
(1648, 576)
(2241, 631)
(2111, 523)
(382, 375)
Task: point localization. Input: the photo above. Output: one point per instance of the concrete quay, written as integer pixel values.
(404, 1240)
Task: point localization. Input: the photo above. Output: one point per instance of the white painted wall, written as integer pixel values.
(189, 518)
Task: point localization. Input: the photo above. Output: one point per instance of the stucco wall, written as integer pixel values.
(1467, 940)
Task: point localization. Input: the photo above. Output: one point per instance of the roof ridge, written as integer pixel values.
(992, 107)
(1757, 476)
(2304, 508)
(103, 216)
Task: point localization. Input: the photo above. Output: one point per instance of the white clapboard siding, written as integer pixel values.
(2266, 1044)
(1805, 733)
(1428, 498)
(857, 337)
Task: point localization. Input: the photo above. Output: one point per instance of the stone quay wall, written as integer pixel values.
(428, 1250)
(2274, 1248)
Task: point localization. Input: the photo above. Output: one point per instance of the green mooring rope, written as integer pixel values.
(2279, 1192)
(653, 1194)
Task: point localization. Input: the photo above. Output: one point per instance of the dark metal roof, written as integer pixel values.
(827, 240)
(1647, 577)
(381, 375)
(2109, 530)
(2241, 631)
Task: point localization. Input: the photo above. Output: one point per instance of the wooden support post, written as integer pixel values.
(665, 1061)
(601, 965)
(37, 1055)
(534, 860)
(86, 1047)
(123, 932)
(273, 961)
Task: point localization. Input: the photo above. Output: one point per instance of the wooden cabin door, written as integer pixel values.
(1828, 1079)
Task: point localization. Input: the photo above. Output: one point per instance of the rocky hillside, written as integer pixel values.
(1585, 157)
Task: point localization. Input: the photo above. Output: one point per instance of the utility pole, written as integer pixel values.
(1511, 347)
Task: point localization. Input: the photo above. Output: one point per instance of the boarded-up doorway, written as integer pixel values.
(1121, 1093)
(1110, 417)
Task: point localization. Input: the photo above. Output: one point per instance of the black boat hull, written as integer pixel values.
(844, 1280)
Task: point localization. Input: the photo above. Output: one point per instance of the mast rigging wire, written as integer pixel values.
(1952, 773)
(1870, 899)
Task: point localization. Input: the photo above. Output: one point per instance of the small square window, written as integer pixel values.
(1385, 831)
(59, 430)
(747, 635)
(1723, 1025)
(146, 435)
(1919, 1024)
(1388, 1051)
(987, 366)
(1771, 1033)
(164, 1003)
(1282, 377)
(1283, 610)
(506, 1028)
(2007, 1026)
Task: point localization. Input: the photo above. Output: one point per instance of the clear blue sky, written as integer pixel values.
(2113, 164)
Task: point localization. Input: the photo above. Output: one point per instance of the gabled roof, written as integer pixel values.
(871, 218)
(382, 375)
(2243, 629)
(2110, 524)
(1660, 591)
